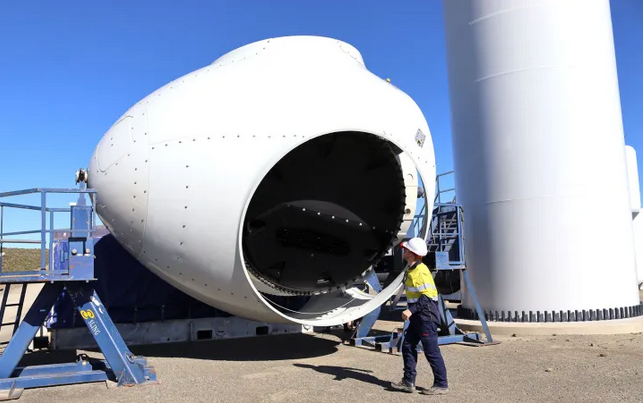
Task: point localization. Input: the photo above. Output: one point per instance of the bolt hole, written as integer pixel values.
(204, 334)
(261, 330)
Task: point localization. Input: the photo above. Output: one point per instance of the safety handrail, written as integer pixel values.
(439, 191)
(44, 210)
(441, 237)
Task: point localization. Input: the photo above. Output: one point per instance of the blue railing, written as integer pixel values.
(440, 192)
(419, 226)
(442, 239)
(44, 212)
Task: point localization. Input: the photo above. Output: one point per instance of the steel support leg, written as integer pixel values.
(28, 328)
(128, 369)
(479, 310)
(370, 319)
(446, 316)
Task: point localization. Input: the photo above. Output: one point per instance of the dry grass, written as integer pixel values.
(21, 259)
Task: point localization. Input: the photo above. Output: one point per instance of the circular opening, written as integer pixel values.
(325, 213)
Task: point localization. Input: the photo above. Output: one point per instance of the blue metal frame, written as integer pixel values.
(367, 322)
(442, 210)
(75, 276)
(43, 214)
(392, 342)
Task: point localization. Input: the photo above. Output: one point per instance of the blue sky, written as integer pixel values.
(68, 69)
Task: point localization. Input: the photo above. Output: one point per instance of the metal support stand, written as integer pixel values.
(75, 278)
(367, 322)
(450, 333)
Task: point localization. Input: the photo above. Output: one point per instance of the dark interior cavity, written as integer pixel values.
(325, 212)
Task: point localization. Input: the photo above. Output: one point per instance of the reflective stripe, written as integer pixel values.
(422, 287)
(418, 282)
(414, 300)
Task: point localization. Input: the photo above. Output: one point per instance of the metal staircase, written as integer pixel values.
(15, 320)
(446, 259)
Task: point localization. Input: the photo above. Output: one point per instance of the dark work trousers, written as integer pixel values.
(424, 329)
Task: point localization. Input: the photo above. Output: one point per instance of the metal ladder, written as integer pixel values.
(6, 304)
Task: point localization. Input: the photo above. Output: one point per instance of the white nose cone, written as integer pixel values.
(275, 176)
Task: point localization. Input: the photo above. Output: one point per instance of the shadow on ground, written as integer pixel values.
(341, 373)
(282, 347)
(267, 348)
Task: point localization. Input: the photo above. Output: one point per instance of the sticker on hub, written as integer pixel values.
(420, 138)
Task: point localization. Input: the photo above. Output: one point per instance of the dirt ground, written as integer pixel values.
(319, 368)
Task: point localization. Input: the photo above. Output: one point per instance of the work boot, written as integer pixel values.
(404, 386)
(435, 390)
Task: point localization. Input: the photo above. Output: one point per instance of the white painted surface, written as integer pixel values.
(202, 143)
(638, 240)
(633, 180)
(539, 154)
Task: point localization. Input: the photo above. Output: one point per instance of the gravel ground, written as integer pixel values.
(319, 368)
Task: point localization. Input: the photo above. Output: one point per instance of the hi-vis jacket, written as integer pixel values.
(418, 282)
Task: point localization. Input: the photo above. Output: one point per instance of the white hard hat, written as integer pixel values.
(416, 245)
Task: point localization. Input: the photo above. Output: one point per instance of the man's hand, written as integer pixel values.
(406, 314)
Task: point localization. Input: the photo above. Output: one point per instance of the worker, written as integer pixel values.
(424, 319)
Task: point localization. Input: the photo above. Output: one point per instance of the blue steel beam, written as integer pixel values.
(45, 190)
(15, 386)
(14, 233)
(19, 241)
(20, 206)
(367, 322)
(130, 369)
(28, 328)
(43, 219)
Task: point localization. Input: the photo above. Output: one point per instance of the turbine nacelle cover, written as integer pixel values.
(283, 170)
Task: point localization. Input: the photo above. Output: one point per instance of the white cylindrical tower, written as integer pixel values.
(539, 159)
(633, 180)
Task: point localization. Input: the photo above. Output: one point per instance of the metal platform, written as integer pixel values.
(75, 279)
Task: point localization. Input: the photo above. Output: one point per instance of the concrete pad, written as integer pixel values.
(617, 326)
